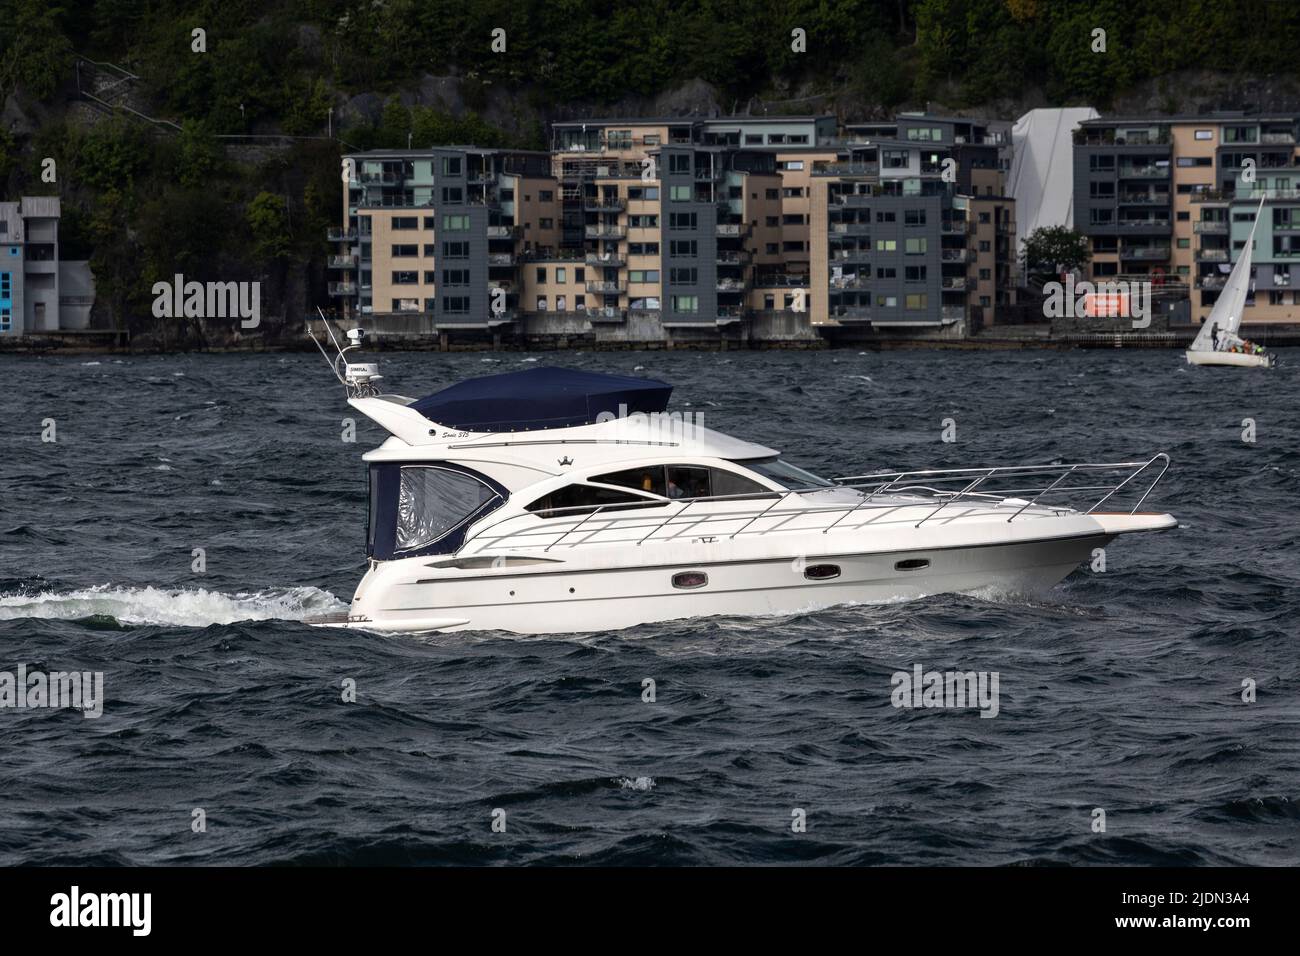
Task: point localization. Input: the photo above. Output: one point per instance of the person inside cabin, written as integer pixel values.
(674, 490)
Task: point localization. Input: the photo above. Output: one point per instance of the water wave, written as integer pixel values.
(188, 607)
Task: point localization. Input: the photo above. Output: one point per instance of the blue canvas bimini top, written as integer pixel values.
(541, 398)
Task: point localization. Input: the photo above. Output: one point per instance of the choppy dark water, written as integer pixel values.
(1119, 691)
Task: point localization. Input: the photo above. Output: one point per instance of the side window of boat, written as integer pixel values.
(730, 483)
(650, 478)
(688, 481)
(584, 499)
(433, 501)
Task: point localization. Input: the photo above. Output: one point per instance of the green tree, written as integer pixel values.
(268, 223)
(1048, 247)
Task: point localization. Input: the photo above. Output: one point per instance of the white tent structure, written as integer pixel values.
(1042, 167)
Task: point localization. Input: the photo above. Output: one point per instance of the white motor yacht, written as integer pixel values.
(554, 500)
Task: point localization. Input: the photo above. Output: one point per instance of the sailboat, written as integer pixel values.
(1218, 343)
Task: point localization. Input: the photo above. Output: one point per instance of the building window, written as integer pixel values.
(686, 303)
(561, 303)
(683, 220)
(430, 221)
(916, 302)
(914, 217)
(887, 245)
(455, 223)
(406, 305)
(683, 276)
(430, 249)
(986, 274)
(406, 222)
(914, 273)
(541, 275)
(455, 303)
(406, 278)
(652, 275)
(403, 252)
(545, 223)
(1204, 134)
(679, 163)
(985, 246)
(545, 195)
(916, 247)
(451, 165)
(683, 249)
(561, 276)
(541, 303)
(885, 217)
(455, 250)
(455, 277)
(679, 193)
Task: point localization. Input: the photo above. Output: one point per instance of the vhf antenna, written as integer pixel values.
(357, 378)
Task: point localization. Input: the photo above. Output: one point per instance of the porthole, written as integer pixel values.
(689, 580)
(821, 572)
(912, 564)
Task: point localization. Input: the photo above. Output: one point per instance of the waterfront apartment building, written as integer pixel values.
(1171, 201)
(686, 228)
(39, 292)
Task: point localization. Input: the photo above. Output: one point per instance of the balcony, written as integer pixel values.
(481, 178)
(1144, 199)
(850, 228)
(851, 313)
(850, 283)
(955, 226)
(643, 313)
(1149, 253)
(606, 232)
(731, 285)
(1143, 223)
(501, 258)
(955, 283)
(342, 288)
(1213, 226)
(851, 255)
(1210, 282)
(605, 314)
(1212, 255)
(608, 260)
(339, 234)
(952, 313)
(506, 285)
(730, 229)
(607, 287)
(1143, 172)
(603, 203)
(955, 255)
(847, 169)
(341, 262)
(731, 257)
(1277, 139)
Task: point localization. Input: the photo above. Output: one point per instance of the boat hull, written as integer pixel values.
(1238, 359)
(569, 600)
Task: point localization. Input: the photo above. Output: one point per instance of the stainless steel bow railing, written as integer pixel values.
(881, 494)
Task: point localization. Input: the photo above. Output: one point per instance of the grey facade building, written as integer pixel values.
(39, 292)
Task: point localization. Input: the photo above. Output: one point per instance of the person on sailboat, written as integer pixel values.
(1214, 335)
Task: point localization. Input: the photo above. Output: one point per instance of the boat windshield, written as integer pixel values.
(786, 475)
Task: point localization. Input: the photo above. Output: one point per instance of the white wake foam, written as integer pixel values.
(189, 607)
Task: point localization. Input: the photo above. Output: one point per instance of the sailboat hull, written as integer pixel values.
(1240, 359)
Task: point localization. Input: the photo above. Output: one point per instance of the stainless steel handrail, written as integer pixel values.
(901, 485)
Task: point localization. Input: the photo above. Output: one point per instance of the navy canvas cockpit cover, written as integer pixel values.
(541, 398)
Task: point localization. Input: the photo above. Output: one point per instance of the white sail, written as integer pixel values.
(1226, 314)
